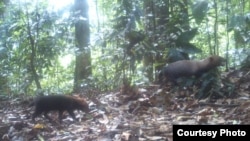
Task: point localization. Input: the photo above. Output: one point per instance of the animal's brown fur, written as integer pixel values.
(185, 68)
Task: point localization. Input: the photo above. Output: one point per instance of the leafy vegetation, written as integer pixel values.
(130, 41)
(111, 53)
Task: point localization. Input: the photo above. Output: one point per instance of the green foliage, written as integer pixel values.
(121, 47)
(246, 61)
(162, 32)
(241, 26)
(210, 85)
(132, 40)
(33, 40)
(187, 36)
(176, 55)
(183, 47)
(236, 21)
(199, 10)
(133, 45)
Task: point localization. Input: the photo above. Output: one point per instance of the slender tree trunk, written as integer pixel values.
(228, 38)
(33, 56)
(83, 53)
(148, 59)
(215, 49)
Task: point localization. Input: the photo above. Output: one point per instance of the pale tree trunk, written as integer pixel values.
(83, 53)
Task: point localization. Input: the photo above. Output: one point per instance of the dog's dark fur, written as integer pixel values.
(60, 103)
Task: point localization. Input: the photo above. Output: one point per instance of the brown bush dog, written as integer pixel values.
(60, 103)
(187, 68)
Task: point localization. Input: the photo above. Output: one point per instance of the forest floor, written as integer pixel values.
(128, 114)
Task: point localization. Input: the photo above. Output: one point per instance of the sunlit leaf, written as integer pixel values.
(39, 126)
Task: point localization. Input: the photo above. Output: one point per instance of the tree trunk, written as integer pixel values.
(148, 59)
(33, 56)
(83, 53)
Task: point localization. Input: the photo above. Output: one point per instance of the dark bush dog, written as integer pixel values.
(60, 103)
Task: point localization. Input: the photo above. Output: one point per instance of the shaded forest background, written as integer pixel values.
(104, 44)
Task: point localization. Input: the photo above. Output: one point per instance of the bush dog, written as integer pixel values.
(60, 103)
(187, 68)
